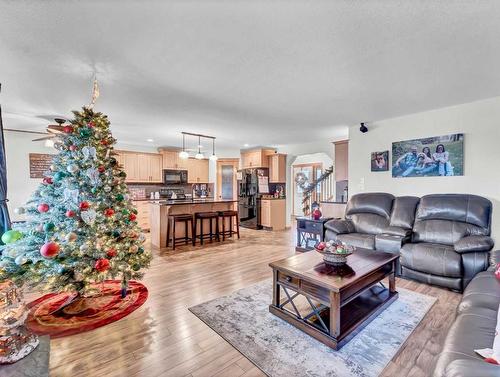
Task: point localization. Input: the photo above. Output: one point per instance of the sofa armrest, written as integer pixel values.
(471, 367)
(474, 243)
(397, 231)
(340, 226)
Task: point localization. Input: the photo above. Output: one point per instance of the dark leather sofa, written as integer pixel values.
(473, 328)
(442, 239)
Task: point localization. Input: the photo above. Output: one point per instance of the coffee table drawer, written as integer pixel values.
(288, 280)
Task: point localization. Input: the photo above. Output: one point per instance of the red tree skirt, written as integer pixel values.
(44, 317)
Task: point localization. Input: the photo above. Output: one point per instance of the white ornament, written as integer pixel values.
(88, 216)
(93, 176)
(20, 211)
(73, 168)
(133, 249)
(71, 237)
(84, 248)
(21, 259)
(89, 152)
(71, 195)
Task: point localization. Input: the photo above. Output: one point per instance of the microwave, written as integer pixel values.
(172, 177)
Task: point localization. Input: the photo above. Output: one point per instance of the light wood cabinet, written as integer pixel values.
(277, 168)
(273, 213)
(143, 214)
(257, 158)
(141, 167)
(197, 170)
(171, 160)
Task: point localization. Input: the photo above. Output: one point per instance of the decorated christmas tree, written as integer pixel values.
(81, 225)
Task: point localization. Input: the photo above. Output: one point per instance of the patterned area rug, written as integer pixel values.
(47, 318)
(279, 349)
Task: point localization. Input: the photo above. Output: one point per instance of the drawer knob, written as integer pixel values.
(288, 279)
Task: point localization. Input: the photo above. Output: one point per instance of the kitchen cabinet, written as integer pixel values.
(171, 160)
(143, 213)
(141, 167)
(277, 168)
(197, 170)
(273, 213)
(257, 158)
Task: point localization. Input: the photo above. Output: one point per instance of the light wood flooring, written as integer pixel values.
(162, 338)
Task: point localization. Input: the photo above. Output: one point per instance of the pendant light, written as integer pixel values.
(199, 155)
(183, 155)
(213, 157)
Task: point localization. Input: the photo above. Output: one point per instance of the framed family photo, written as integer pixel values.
(429, 157)
(380, 161)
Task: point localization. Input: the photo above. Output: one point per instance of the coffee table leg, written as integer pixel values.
(334, 314)
(392, 279)
(276, 289)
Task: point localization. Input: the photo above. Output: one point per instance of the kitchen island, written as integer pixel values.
(161, 209)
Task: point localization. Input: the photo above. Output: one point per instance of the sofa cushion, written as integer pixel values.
(340, 226)
(442, 281)
(403, 211)
(444, 231)
(358, 239)
(474, 243)
(468, 368)
(369, 223)
(432, 258)
(483, 292)
(465, 208)
(388, 242)
(377, 203)
(473, 329)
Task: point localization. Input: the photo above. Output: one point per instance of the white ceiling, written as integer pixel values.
(256, 72)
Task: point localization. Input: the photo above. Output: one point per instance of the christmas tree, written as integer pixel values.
(81, 225)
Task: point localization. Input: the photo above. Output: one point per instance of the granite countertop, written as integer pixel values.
(192, 201)
(332, 201)
(272, 198)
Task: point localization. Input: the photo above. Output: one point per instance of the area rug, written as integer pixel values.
(280, 350)
(44, 318)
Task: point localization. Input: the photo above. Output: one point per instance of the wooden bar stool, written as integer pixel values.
(187, 219)
(211, 216)
(231, 214)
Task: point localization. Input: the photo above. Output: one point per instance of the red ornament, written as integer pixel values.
(68, 129)
(49, 250)
(104, 141)
(47, 180)
(497, 271)
(84, 206)
(321, 246)
(108, 212)
(132, 217)
(316, 214)
(72, 148)
(112, 253)
(102, 265)
(90, 124)
(101, 169)
(70, 213)
(43, 207)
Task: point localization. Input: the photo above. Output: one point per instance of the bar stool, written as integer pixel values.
(231, 214)
(187, 219)
(200, 216)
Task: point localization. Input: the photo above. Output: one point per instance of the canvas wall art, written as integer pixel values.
(428, 157)
(380, 161)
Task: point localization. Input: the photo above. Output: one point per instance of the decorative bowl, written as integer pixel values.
(336, 254)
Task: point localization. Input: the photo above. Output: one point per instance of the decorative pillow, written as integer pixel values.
(497, 271)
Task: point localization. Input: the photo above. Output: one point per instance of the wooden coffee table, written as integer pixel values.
(339, 301)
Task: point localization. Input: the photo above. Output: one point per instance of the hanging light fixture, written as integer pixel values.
(183, 154)
(213, 157)
(199, 155)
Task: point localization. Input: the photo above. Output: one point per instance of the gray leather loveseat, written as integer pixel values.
(443, 239)
(473, 328)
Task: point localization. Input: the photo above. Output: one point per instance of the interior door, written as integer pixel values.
(226, 179)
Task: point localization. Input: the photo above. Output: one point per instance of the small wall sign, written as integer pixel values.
(39, 164)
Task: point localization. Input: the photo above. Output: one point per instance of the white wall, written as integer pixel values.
(20, 186)
(479, 121)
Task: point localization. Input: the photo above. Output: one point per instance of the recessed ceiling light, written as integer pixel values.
(246, 145)
(149, 140)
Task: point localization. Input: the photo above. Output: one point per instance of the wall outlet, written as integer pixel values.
(361, 184)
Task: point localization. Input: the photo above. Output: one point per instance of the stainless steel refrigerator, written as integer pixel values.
(253, 182)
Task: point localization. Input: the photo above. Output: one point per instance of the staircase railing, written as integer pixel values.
(322, 189)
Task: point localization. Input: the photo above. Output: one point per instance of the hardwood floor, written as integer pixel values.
(162, 338)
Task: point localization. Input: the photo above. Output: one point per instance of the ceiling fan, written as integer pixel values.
(53, 130)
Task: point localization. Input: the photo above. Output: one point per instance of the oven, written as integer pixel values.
(174, 177)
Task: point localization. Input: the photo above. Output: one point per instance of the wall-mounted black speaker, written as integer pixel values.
(363, 128)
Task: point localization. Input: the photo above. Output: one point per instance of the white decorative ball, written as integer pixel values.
(72, 168)
(71, 237)
(21, 259)
(133, 249)
(20, 211)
